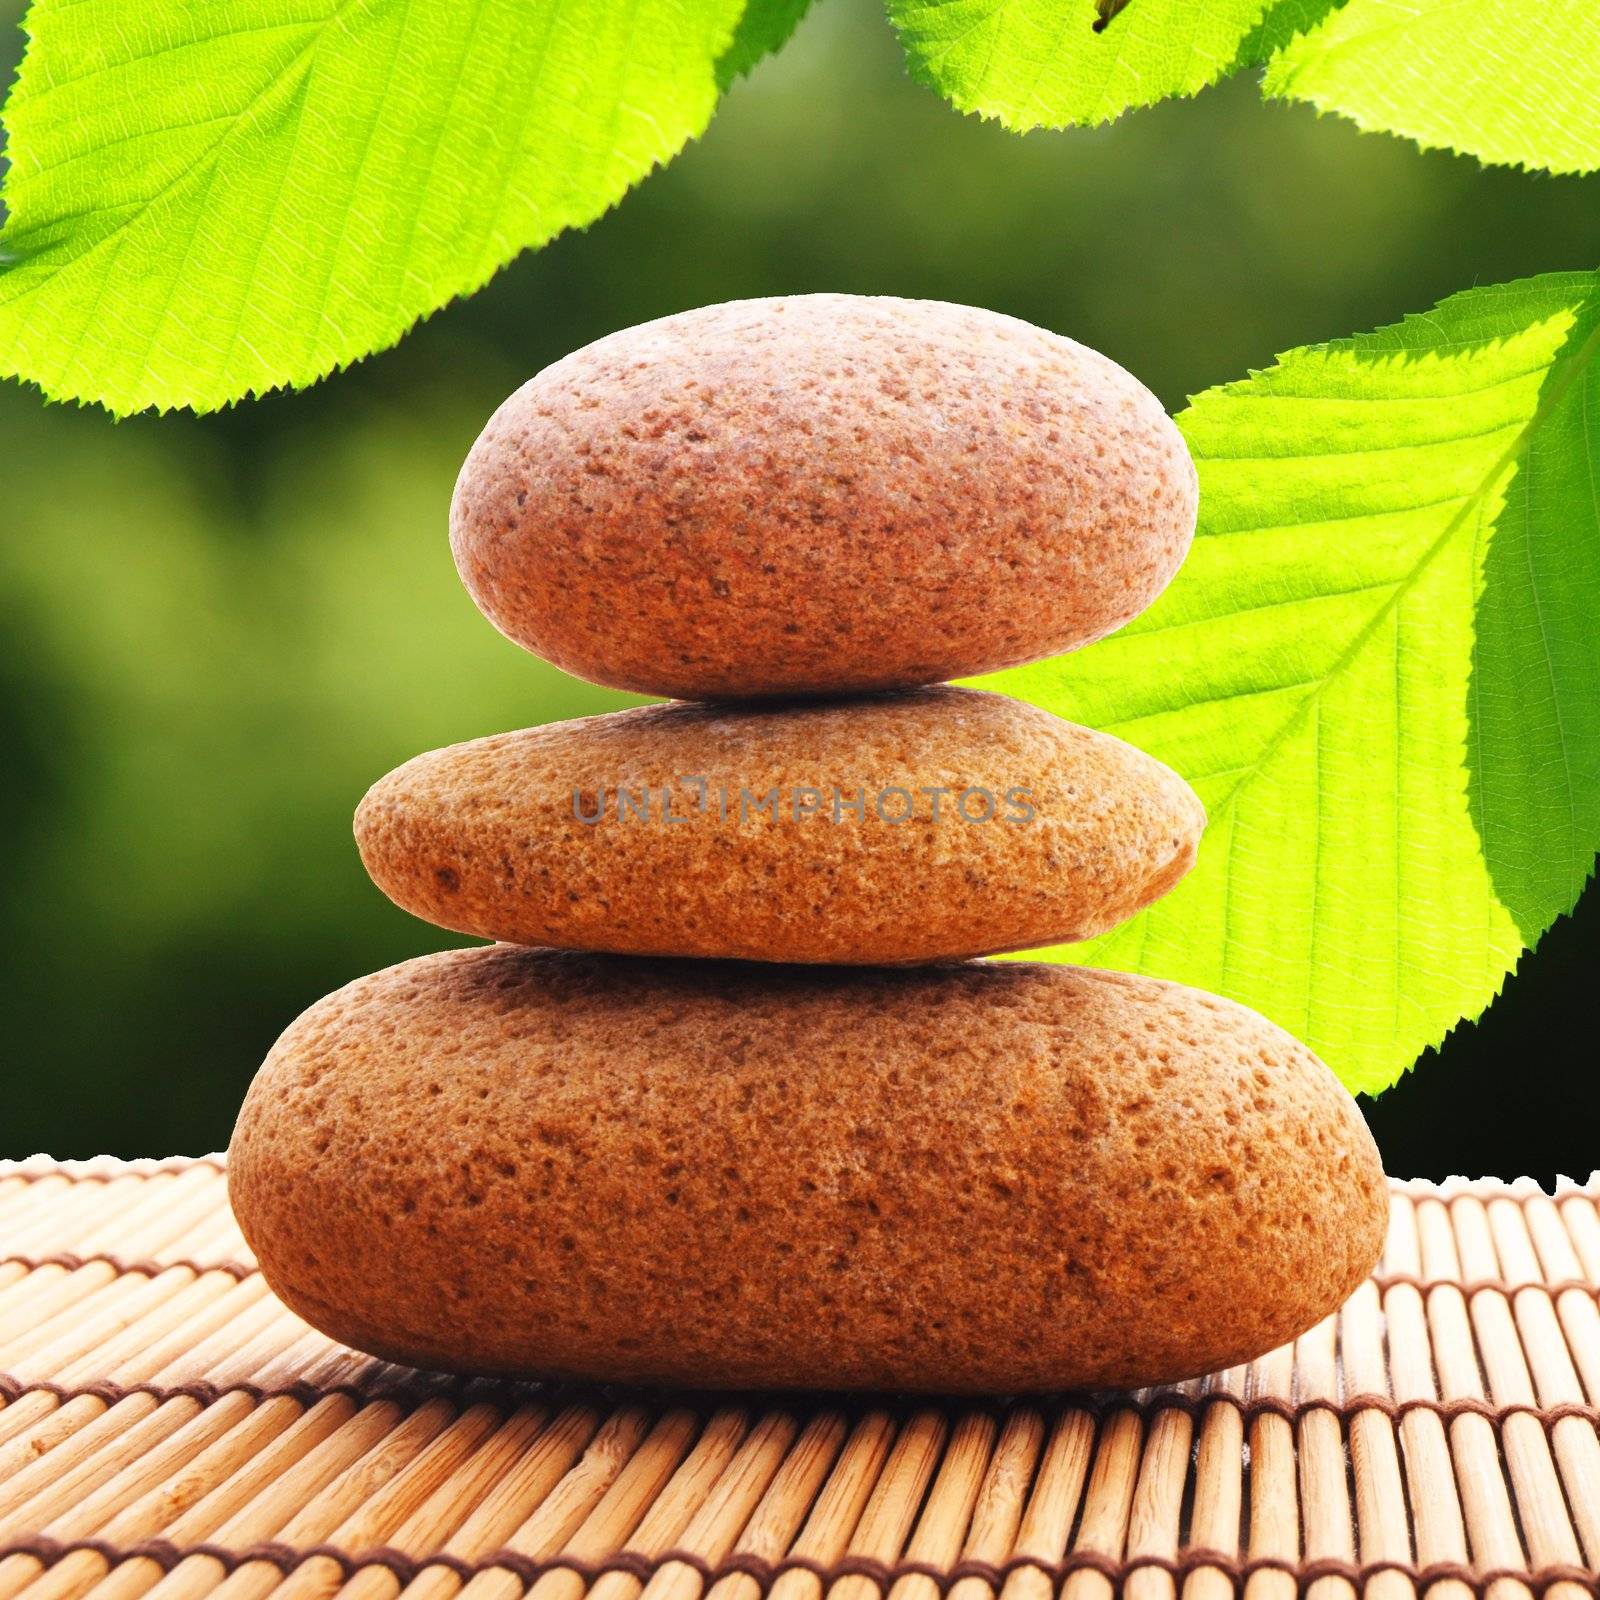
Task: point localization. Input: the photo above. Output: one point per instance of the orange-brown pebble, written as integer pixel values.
(821, 494)
(988, 1177)
(918, 826)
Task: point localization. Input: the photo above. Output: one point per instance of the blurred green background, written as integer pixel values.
(218, 631)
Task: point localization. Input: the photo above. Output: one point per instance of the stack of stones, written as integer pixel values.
(729, 1103)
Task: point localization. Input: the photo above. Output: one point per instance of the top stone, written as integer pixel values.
(819, 495)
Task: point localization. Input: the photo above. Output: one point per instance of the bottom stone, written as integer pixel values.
(985, 1177)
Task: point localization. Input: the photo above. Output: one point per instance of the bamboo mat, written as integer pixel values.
(168, 1429)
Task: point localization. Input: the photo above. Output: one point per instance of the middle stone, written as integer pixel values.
(920, 826)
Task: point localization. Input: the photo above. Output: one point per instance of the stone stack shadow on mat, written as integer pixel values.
(730, 1105)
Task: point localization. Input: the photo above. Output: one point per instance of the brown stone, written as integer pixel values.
(989, 1177)
(821, 494)
(1045, 831)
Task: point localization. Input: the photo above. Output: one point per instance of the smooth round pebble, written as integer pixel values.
(821, 494)
(988, 1177)
(920, 826)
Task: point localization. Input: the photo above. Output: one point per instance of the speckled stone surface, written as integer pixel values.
(766, 857)
(988, 1177)
(819, 494)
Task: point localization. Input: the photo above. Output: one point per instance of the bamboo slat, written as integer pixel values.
(170, 1431)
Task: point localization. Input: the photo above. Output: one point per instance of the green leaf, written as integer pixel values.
(1057, 63)
(209, 201)
(765, 27)
(1281, 22)
(1502, 80)
(1380, 669)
